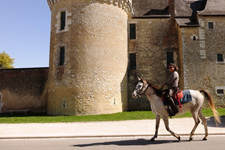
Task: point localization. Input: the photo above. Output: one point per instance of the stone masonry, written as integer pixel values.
(93, 78)
(23, 90)
(98, 48)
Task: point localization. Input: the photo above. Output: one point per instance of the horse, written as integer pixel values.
(154, 95)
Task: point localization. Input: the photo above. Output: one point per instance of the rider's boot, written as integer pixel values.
(173, 106)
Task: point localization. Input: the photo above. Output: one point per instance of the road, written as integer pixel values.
(128, 143)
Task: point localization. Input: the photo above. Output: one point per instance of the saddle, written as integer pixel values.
(178, 96)
(176, 100)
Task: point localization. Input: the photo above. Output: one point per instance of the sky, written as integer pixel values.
(25, 32)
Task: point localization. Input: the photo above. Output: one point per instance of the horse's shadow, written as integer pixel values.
(211, 122)
(138, 142)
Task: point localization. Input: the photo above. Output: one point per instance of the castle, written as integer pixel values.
(99, 47)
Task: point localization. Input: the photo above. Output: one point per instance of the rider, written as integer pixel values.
(172, 84)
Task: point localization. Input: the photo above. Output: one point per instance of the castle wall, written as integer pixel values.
(93, 78)
(23, 89)
(154, 38)
(200, 68)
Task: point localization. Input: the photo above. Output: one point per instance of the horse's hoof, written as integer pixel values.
(152, 139)
(178, 138)
(190, 139)
(204, 139)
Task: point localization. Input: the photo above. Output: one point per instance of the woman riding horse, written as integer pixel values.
(172, 84)
(195, 104)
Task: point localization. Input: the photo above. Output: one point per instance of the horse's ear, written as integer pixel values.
(140, 79)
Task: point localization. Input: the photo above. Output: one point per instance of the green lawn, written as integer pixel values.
(135, 115)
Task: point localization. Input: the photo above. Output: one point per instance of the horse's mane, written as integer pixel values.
(157, 90)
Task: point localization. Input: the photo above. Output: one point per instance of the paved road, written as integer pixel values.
(181, 126)
(131, 143)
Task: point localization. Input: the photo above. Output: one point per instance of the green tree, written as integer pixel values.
(5, 61)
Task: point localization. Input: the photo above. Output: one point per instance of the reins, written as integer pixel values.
(158, 92)
(150, 85)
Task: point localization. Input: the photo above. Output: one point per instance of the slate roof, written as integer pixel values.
(160, 8)
(150, 8)
(182, 8)
(213, 7)
(185, 22)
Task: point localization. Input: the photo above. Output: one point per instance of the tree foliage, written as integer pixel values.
(5, 61)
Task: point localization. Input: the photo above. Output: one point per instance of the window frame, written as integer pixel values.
(211, 25)
(220, 88)
(62, 20)
(218, 93)
(217, 58)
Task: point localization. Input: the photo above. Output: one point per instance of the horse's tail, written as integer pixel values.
(212, 105)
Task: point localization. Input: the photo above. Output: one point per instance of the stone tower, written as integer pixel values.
(88, 57)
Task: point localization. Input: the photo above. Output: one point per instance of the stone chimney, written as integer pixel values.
(171, 8)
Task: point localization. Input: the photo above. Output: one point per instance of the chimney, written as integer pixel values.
(171, 8)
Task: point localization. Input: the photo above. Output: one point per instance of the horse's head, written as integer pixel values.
(140, 88)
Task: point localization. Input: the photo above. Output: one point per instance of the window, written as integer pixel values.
(169, 58)
(63, 20)
(194, 38)
(220, 92)
(132, 59)
(210, 25)
(62, 56)
(220, 58)
(132, 31)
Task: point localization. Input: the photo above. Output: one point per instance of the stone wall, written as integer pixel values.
(93, 78)
(199, 47)
(23, 89)
(154, 38)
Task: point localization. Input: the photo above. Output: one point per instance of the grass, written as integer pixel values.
(135, 115)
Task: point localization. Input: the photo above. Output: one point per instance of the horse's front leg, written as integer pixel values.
(166, 122)
(157, 118)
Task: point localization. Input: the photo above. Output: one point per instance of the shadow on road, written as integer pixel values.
(138, 142)
(211, 122)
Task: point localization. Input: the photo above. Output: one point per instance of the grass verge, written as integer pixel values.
(135, 115)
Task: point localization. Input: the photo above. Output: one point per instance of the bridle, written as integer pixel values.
(143, 89)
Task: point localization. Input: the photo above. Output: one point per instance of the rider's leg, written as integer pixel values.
(172, 103)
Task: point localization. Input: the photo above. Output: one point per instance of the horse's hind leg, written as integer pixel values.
(204, 121)
(197, 121)
(166, 122)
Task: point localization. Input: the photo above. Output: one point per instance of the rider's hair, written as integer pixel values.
(175, 66)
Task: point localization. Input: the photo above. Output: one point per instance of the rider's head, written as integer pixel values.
(171, 66)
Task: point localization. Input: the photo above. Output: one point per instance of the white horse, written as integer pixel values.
(154, 95)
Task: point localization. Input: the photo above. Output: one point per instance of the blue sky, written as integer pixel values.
(25, 32)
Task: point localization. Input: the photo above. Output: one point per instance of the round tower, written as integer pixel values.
(88, 57)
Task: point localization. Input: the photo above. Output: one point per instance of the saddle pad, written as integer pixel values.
(187, 97)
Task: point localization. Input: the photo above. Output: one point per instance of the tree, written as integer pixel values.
(5, 61)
